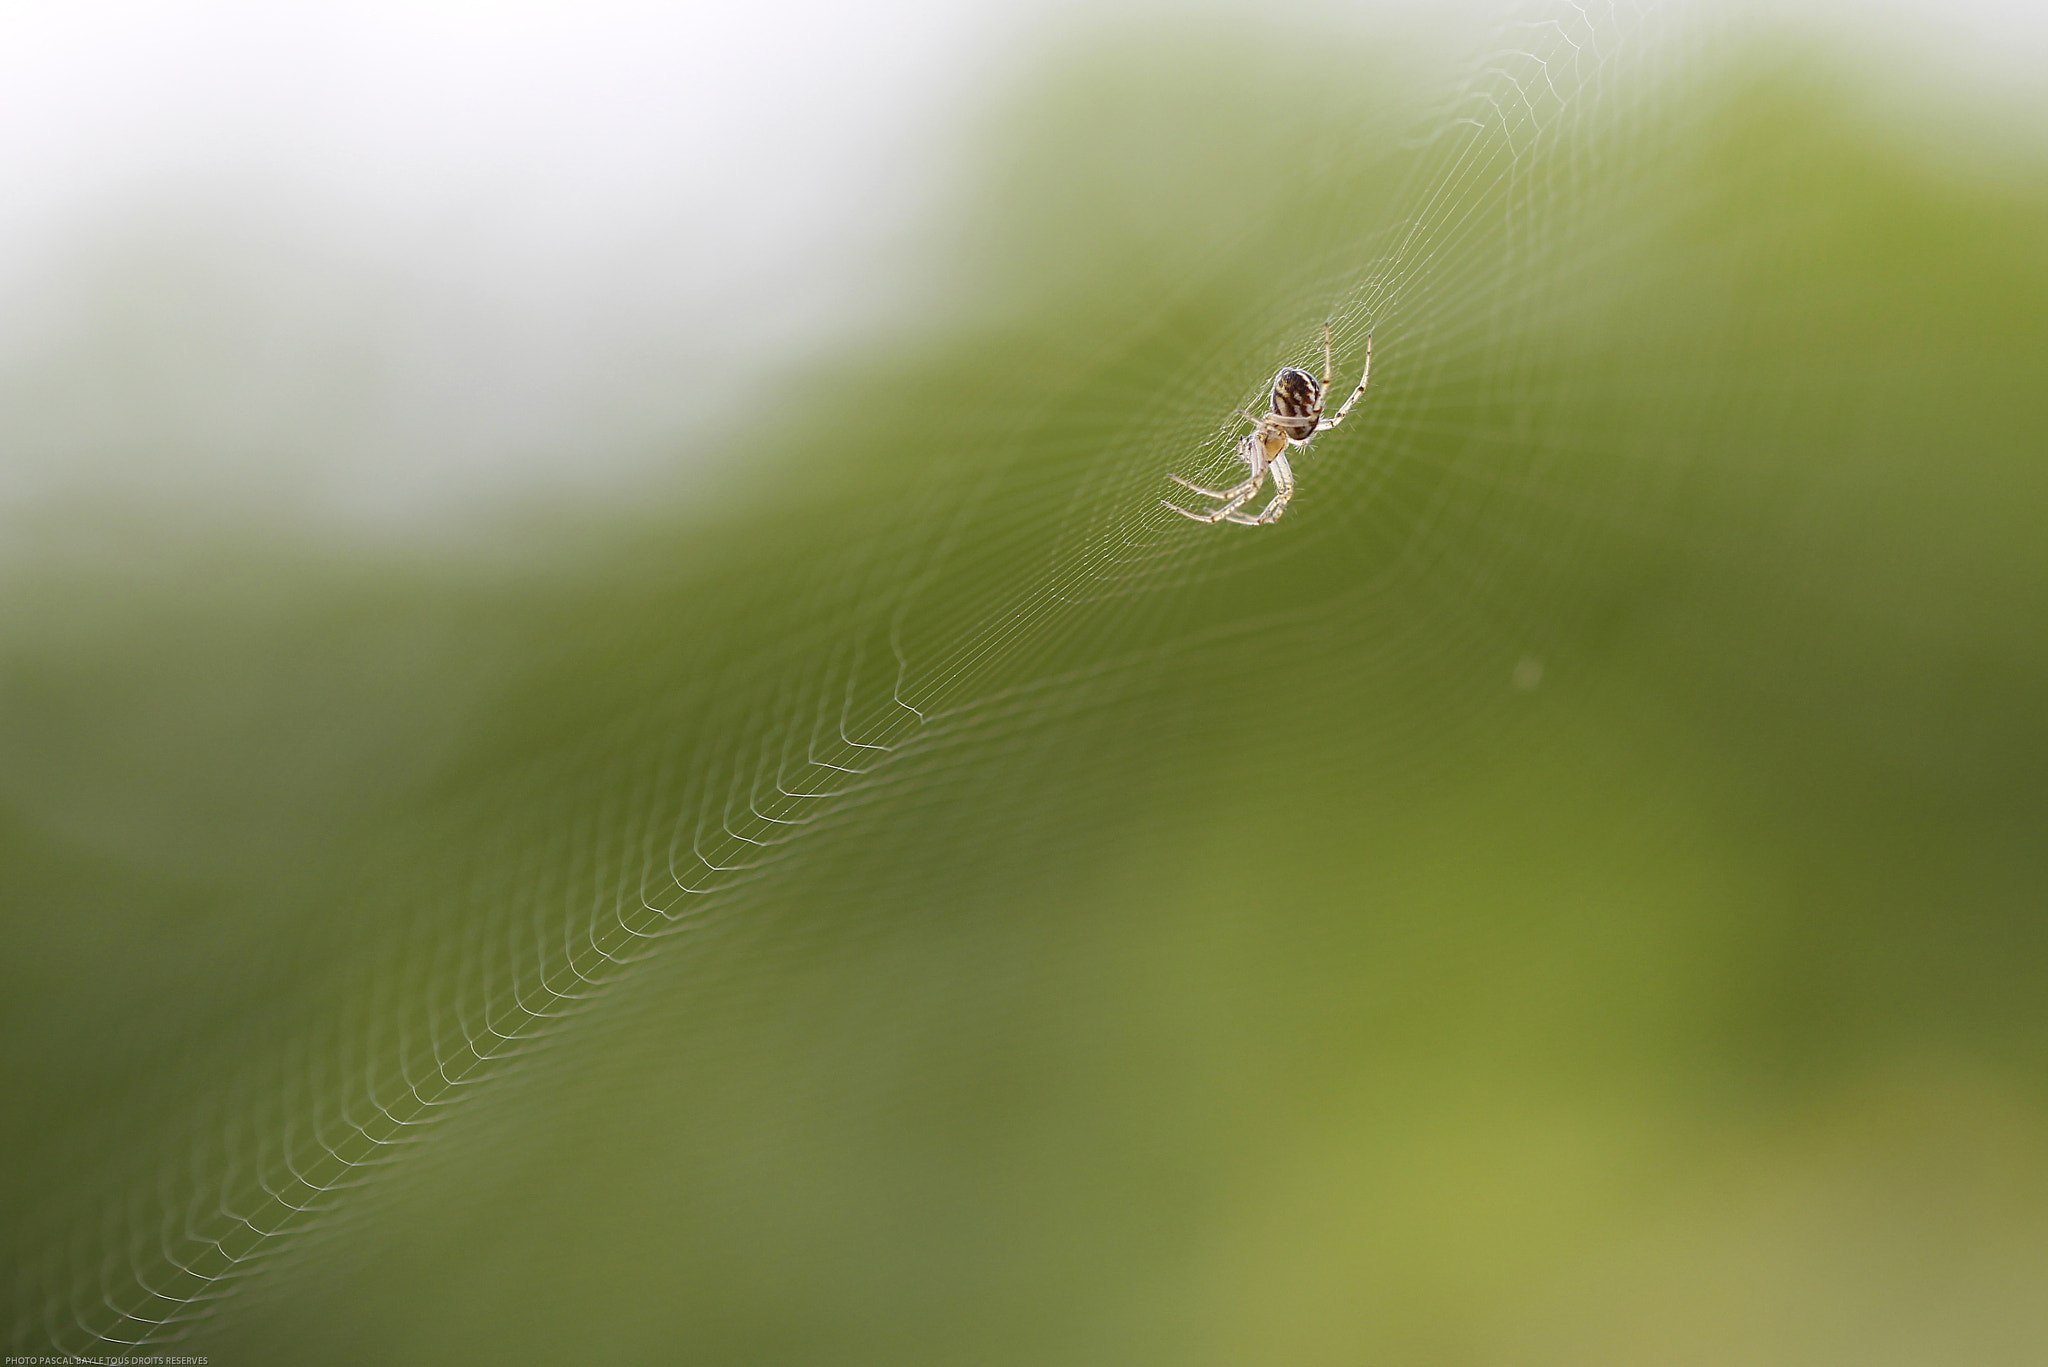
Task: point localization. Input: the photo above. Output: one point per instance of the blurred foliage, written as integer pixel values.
(1302, 991)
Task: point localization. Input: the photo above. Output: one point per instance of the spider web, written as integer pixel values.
(1006, 615)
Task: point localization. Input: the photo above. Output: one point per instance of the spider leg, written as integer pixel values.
(1223, 494)
(1327, 423)
(1283, 490)
(1329, 358)
(1230, 500)
(1249, 450)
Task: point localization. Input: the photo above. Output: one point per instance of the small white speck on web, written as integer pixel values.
(1528, 673)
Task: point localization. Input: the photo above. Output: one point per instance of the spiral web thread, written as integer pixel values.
(682, 823)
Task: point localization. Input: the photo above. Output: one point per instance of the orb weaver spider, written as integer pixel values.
(1295, 419)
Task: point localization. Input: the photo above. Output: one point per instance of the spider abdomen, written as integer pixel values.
(1297, 401)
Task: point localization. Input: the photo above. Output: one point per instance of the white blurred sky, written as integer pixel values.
(376, 264)
(488, 249)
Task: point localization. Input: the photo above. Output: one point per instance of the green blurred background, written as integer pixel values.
(1573, 892)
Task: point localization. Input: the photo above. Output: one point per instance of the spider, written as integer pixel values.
(1296, 417)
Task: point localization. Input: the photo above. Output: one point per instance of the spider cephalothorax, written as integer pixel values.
(1295, 416)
